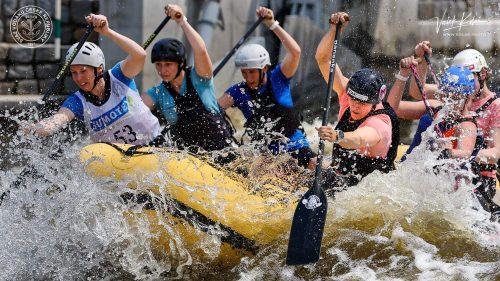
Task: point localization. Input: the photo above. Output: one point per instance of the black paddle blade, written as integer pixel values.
(308, 223)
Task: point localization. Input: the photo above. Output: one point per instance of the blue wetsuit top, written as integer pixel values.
(164, 101)
(281, 89)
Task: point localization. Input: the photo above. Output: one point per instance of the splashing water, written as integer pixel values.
(405, 225)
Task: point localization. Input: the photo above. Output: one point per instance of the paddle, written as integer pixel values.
(428, 107)
(308, 222)
(157, 30)
(155, 33)
(235, 48)
(434, 77)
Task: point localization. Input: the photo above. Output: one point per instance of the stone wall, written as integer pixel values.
(31, 71)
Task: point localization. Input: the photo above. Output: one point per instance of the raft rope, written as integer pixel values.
(131, 151)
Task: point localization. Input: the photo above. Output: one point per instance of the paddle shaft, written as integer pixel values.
(424, 98)
(235, 48)
(54, 86)
(434, 77)
(157, 30)
(306, 234)
(326, 113)
(155, 33)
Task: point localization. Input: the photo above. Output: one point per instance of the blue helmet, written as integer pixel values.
(458, 79)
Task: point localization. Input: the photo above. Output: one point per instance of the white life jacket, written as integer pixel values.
(123, 118)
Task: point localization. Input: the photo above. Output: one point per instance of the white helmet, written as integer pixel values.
(470, 58)
(89, 54)
(252, 56)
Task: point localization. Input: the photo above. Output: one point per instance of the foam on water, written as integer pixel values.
(405, 225)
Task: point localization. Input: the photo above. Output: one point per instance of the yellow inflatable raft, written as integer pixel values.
(202, 200)
(244, 217)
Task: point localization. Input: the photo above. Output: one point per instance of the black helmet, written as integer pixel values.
(168, 49)
(366, 85)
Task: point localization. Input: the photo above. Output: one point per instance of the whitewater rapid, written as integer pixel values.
(405, 225)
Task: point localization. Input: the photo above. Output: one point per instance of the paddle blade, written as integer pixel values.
(307, 228)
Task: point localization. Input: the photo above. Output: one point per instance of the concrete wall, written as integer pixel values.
(447, 24)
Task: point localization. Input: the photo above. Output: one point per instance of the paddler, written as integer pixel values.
(107, 101)
(367, 133)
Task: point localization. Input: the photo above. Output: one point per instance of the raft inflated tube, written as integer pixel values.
(202, 195)
(401, 151)
(201, 199)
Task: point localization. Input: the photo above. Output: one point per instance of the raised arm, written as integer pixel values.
(202, 61)
(397, 90)
(324, 54)
(409, 110)
(291, 61)
(134, 62)
(422, 48)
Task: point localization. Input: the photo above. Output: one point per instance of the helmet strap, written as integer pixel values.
(261, 78)
(97, 77)
(481, 87)
(181, 67)
(91, 97)
(481, 82)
